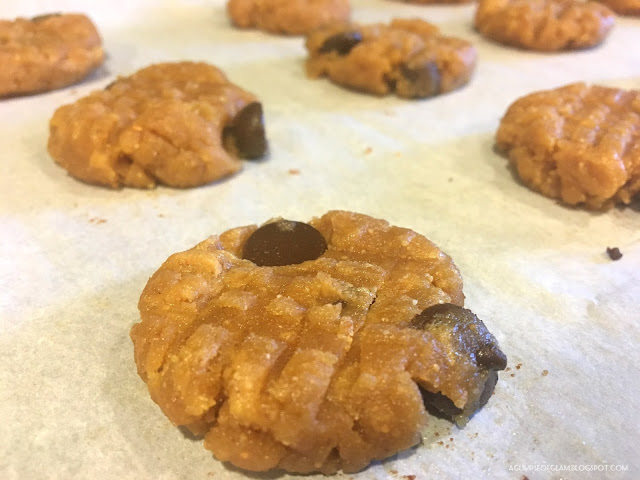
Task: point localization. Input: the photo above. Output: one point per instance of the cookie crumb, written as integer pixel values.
(368, 150)
(512, 375)
(409, 477)
(518, 366)
(97, 221)
(524, 477)
(393, 472)
(545, 373)
(614, 253)
(294, 171)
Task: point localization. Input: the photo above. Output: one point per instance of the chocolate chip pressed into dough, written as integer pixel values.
(47, 52)
(579, 144)
(179, 124)
(544, 25)
(318, 364)
(408, 56)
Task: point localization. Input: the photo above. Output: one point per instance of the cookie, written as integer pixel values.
(436, 2)
(623, 7)
(408, 57)
(579, 144)
(47, 52)
(312, 347)
(544, 25)
(177, 124)
(290, 17)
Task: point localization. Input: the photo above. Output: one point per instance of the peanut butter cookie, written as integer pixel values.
(291, 17)
(544, 25)
(408, 57)
(47, 52)
(178, 124)
(312, 347)
(579, 144)
(623, 7)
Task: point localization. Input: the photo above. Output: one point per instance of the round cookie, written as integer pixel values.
(544, 25)
(47, 52)
(178, 124)
(623, 7)
(579, 144)
(408, 57)
(312, 347)
(291, 17)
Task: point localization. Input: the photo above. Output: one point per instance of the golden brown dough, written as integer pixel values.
(623, 7)
(47, 52)
(291, 17)
(318, 365)
(544, 25)
(165, 124)
(408, 56)
(579, 144)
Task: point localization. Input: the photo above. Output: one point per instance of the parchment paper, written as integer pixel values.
(75, 257)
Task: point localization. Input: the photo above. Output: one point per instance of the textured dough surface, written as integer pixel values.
(48, 52)
(292, 17)
(307, 367)
(624, 7)
(544, 25)
(579, 144)
(377, 64)
(161, 125)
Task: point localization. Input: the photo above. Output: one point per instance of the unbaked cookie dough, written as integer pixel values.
(312, 347)
(579, 144)
(408, 57)
(436, 2)
(544, 25)
(623, 7)
(177, 124)
(290, 17)
(47, 52)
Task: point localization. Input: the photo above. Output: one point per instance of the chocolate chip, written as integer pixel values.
(341, 43)
(422, 79)
(614, 253)
(439, 405)
(430, 314)
(284, 242)
(491, 358)
(246, 131)
(40, 18)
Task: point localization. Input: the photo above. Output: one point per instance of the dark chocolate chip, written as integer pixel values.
(423, 78)
(614, 253)
(284, 242)
(40, 18)
(439, 405)
(430, 314)
(489, 387)
(491, 358)
(247, 131)
(341, 43)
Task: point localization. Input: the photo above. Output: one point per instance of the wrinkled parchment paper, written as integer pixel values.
(75, 257)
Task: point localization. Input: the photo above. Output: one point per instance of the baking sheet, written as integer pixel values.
(75, 257)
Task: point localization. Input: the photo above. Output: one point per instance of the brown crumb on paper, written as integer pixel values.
(409, 477)
(518, 366)
(97, 220)
(294, 171)
(545, 373)
(368, 150)
(614, 253)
